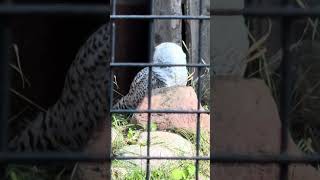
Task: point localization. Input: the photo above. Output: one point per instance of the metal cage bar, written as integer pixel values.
(152, 17)
(4, 79)
(4, 95)
(146, 17)
(155, 65)
(267, 12)
(198, 135)
(286, 13)
(27, 158)
(151, 43)
(56, 10)
(285, 95)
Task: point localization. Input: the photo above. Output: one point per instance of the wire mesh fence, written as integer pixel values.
(114, 18)
(10, 10)
(287, 14)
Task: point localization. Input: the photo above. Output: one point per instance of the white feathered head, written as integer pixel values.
(169, 53)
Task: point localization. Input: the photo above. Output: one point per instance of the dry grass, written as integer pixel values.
(305, 106)
(261, 66)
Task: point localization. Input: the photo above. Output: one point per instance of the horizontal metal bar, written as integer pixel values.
(54, 9)
(216, 159)
(265, 159)
(102, 9)
(267, 12)
(155, 65)
(150, 17)
(206, 158)
(159, 111)
(80, 157)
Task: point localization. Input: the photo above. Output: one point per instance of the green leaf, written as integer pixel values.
(177, 174)
(191, 169)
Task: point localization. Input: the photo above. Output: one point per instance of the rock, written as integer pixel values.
(172, 98)
(171, 141)
(141, 150)
(163, 144)
(247, 122)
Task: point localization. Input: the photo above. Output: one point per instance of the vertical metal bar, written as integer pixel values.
(113, 47)
(151, 46)
(285, 93)
(149, 122)
(151, 32)
(198, 135)
(211, 103)
(284, 99)
(212, 108)
(113, 51)
(4, 79)
(114, 6)
(4, 90)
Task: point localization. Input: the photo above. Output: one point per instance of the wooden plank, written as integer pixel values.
(167, 30)
(192, 31)
(192, 41)
(171, 31)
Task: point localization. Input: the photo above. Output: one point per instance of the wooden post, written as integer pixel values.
(167, 30)
(171, 30)
(192, 31)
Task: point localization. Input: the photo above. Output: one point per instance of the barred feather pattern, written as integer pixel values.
(138, 89)
(67, 125)
(165, 53)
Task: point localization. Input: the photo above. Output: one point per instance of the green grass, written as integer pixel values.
(182, 170)
(177, 170)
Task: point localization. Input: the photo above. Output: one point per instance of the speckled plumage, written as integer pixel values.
(165, 53)
(67, 125)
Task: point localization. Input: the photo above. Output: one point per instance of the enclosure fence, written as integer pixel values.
(200, 17)
(10, 10)
(285, 13)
